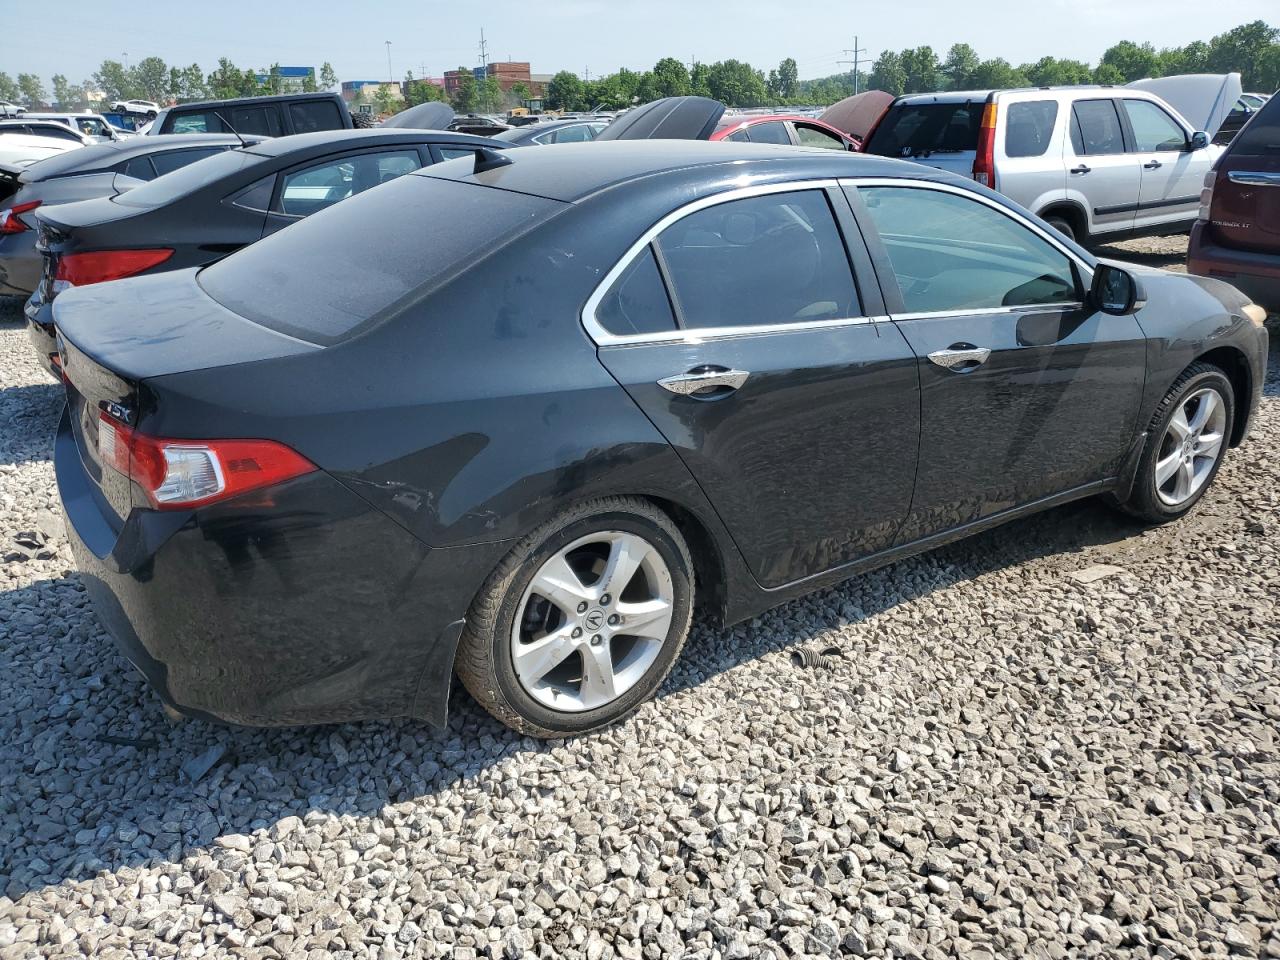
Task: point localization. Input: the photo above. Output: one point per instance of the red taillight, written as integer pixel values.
(79, 269)
(9, 222)
(984, 164)
(179, 474)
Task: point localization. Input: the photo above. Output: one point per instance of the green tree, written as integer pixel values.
(922, 71)
(1108, 73)
(1193, 58)
(32, 89)
(150, 78)
(1134, 61)
(669, 78)
(565, 91)
(224, 83)
(464, 98)
(736, 84)
(328, 79)
(8, 88)
(65, 95)
(786, 79)
(961, 64)
(518, 93)
(998, 74)
(385, 101)
(309, 82)
(887, 73)
(489, 96)
(1049, 72)
(191, 84)
(699, 84)
(1249, 49)
(114, 81)
(275, 80)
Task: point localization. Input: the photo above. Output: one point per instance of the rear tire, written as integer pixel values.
(561, 603)
(363, 121)
(1186, 444)
(1062, 226)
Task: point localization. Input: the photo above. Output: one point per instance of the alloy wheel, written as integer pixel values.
(1191, 446)
(592, 621)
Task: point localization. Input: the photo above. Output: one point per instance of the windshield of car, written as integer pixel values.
(312, 282)
(923, 129)
(189, 179)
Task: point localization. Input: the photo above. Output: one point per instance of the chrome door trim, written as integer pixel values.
(1254, 178)
(989, 311)
(688, 384)
(1043, 232)
(950, 359)
(604, 338)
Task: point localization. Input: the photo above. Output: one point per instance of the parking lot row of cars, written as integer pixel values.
(350, 411)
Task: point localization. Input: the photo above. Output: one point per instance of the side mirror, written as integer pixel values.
(1199, 140)
(1116, 291)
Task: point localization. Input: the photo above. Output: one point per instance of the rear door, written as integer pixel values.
(1246, 194)
(312, 187)
(1099, 166)
(1026, 392)
(737, 326)
(1172, 173)
(1029, 168)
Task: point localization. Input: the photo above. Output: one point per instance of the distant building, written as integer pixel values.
(507, 73)
(353, 88)
(293, 79)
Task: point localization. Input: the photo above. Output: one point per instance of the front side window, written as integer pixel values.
(953, 253)
(770, 259)
(1029, 128)
(637, 302)
(313, 188)
(1095, 128)
(1153, 129)
(772, 132)
(815, 137)
(92, 127)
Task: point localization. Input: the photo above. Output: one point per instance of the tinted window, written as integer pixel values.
(256, 196)
(951, 252)
(263, 120)
(1261, 138)
(320, 185)
(1029, 128)
(772, 132)
(637, 302)
(190, 178)
(1153, 129)
(574, 134)
(776, 258)
(140, 168)
(1096, 128)
(193, 123)
(453, 153)
(815, 137)
(172, 160)
(915, 129)
(312, 115)
(311, 281)
(739, 136)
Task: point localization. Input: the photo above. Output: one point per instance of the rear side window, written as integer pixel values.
(312, 115)
(1261, 136)
(1029, 128)
(310, 281)
(1095, 128)
(814, 137)
(772, 132)
(140, 168)
(637, 302)
(922, 129)
(189, 179)
(777, 258)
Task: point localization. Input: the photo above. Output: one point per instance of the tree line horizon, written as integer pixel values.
(1252, 49)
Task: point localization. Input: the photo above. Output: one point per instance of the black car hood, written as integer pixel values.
(671, 118)
(162, 324)
(425, 116)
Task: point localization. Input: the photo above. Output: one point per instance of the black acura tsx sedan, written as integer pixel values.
(513, 420)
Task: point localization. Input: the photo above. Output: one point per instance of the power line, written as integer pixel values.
(857, 53)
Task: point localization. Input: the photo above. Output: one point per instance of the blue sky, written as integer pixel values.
(598, 35)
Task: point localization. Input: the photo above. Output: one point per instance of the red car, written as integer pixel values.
(1237, 236)
(785, 129)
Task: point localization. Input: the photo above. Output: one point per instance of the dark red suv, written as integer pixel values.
(1237, 236)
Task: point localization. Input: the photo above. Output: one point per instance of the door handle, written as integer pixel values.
(961, 357)
(1083, 168)
(1152, 165)
(702, 379)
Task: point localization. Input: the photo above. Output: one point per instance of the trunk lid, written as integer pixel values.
(857, 115)
(671, 118)
(1245, 212)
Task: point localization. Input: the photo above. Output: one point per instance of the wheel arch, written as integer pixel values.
(1233, 362)
(710, 571)
(1070, 211)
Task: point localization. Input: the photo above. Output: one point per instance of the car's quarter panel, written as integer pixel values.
(1030, 165)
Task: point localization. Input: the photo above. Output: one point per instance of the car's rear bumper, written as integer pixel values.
(1254, 273)
(299, 604)
(20, 264)
(41, 332)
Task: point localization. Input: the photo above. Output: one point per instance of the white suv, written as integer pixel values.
(148, 107)
(1098, 163)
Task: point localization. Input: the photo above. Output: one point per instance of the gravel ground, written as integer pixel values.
(1059, 738)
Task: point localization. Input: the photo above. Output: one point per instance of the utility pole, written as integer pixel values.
(391, 77)
(857, 53)
(484, 52)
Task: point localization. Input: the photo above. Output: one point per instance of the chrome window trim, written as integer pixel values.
(1067, 307)
(604, 338)
(1044, 233)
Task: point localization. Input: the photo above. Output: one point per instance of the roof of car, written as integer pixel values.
(573, 171)
(299, 142)
(270, 98)
(100, 156)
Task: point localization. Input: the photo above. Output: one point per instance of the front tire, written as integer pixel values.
(1062, 226)
(1186, 444)
(582, 621)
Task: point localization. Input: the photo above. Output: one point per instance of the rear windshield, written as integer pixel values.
(1259, 138)
(923, 129)
(98, 156)
(189, 179)
(330, 275)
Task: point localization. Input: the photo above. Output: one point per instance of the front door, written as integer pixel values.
(1172, 173)
(740, 332)
(1025, 391)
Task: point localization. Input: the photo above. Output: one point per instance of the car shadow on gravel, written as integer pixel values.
(30, 414)
(101, 767)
